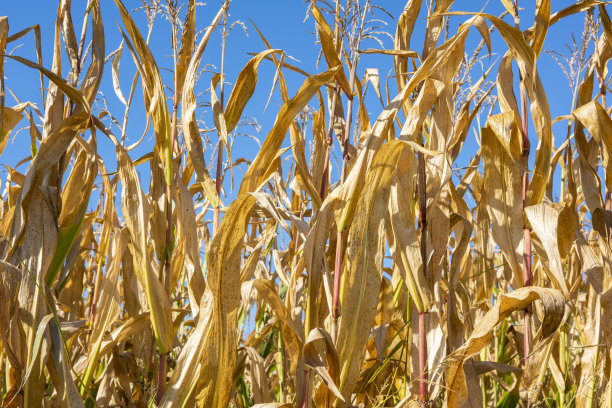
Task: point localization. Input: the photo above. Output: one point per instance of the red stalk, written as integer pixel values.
(422, 186)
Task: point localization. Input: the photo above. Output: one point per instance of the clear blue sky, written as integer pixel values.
(282, 22)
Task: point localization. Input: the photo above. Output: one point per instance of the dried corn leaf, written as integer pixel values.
(184, 379)
(266, 289)
(115, 72)
(363, 272)
(152, 89)
(350, 191)
(407, 251)
(596, 120)
(190, 127)
(525, 57)
(215, 383)
(243, 90)
(328, 367)
(261, 168)
(93, 77)
(541, 23)
(218, 116)
(330, 49)
(556, 232)
(503, 189)
(403, 34)
(136, 212)
(70, 91)
(10, 118)
(297, 143)
(186, 50)
(553, 303)
(75, 199)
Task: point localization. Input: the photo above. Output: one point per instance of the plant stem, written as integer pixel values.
(281, 363)
(163, 357)
(602, 93)
(525, 176)
(219, 172)
(161, 376)
(345, 158)
(422, 187)
(330, 130)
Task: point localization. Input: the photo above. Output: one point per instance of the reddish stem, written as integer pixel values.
(422, 359)
(526, 228)
(422, 186)
(525, 176)
(304, 403)
(161, 377)
(219, 172)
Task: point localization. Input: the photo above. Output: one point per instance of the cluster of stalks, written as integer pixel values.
(363, 265)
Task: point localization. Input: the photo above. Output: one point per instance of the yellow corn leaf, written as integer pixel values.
(243, 90)
(51, 149)
(297, 147)
(525, 57)
(317, 341)
(70, 41)
(297, 142)
(363, 272)
(190, 127)
(186, 50)
(10, 118)
(152, 88)
(187, 223)
(136, 213)
(401, 53)
(542, 21)
(261, 167)
(553, 304)
(108, 306)
(70, 91)
(4, 29)
(129, 328)
(431, 91)
(218, 116)
(54, 101)
(215, 383)
(596, 120)
(33, 230)
(505, 89)
(556, 232)
(589, 181)
(75, 199)
(563, 13)
(403, 34)
(465, 118)
(509, 6)
(266, 289)
(329, 49)
(115, 72)
(435, 23)
(184, 378)
(503, 189)
(349, 192)
(93, 77)
(407, 251)
(316, 266)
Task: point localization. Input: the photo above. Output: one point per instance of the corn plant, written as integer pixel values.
(361, 265)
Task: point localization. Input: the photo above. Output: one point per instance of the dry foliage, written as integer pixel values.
(311, 285)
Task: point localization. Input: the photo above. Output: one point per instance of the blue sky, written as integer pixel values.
(282, 22)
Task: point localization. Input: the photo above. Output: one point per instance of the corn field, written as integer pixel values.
(352, 260)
